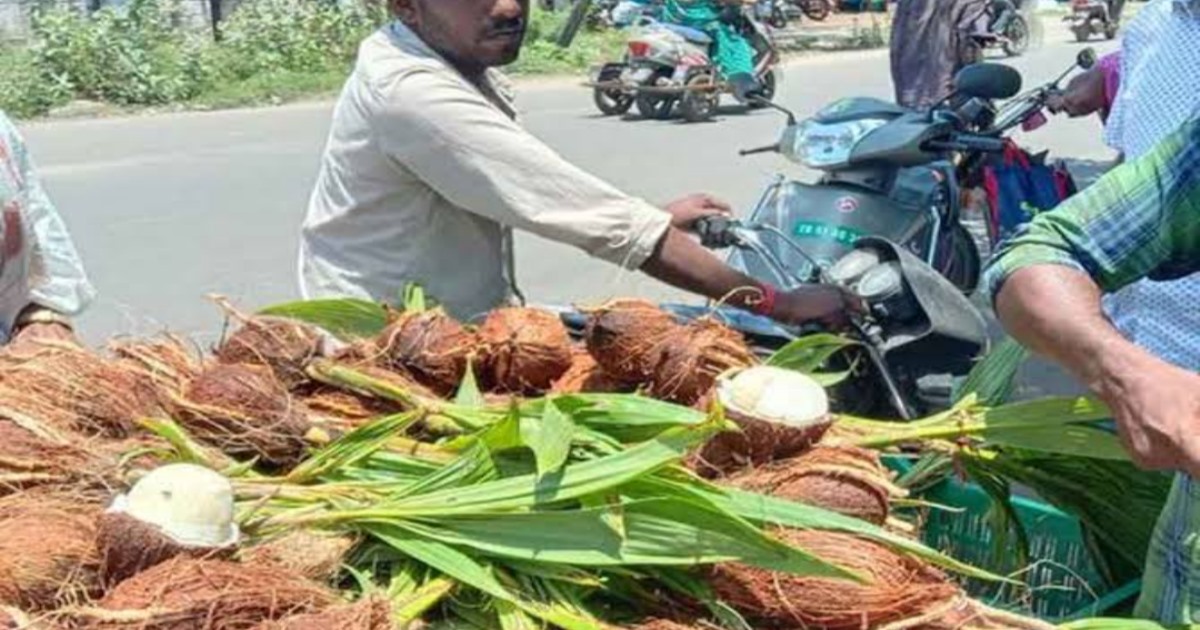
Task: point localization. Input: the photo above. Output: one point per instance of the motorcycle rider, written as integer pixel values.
(1003, 12)
(427, 171)
(931, 41)
(731, 51)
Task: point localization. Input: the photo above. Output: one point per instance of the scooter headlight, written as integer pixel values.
(823, 146)
(881, 283)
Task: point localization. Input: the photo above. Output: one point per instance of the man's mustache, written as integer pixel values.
(503, 28)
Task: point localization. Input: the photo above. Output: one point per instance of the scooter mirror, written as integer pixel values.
(1086, 58)
(988, 80)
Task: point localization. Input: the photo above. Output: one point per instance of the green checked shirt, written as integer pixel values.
(1141, 220)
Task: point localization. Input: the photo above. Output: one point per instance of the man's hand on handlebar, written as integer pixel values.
(686, 212)
(828, 304)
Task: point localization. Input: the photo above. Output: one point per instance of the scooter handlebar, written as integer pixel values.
(774, 148)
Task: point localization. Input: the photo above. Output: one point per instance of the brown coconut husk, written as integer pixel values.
(48, 555)
(586, 376)
(128, 546)
(847, 480)
(968, 614)
(244, 411)
(191, 594)
(432, 347)
(691, 359)
(527, 349)
(624, 336)
(756, 443)
(284, 345)
(12, 618)
(371, 613)
(897, 587)
(63, 388)
(167, 363)
(314, 556)
(29, 461)
(667, 624)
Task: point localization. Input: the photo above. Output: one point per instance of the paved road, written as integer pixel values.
(169, 208)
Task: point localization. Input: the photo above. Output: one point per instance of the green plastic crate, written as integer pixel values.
(1063, 582)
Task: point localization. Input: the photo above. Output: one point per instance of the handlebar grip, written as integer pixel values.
(774, 148)
(715, 232)
(982, 143)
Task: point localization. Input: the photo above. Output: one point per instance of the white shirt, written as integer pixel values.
(1160, 90)
(38, 261)
(425, 172)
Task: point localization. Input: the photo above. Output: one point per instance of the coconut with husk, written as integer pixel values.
(780, 414)
(432, 347)
(624, 336)
(48, 554)
(167, 363)
(176, 510)
(27, 461)
(843, 479)
(692, 358)
(527, 350)
(188, 593)
(318, 557)
(244, 411)
(586, 376)
(897, 592)
(284, 345)
(63, 388)
(370, 613)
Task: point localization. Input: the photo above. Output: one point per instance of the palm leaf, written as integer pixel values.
(345, 318)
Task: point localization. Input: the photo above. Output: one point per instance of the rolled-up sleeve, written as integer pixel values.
(57, 277)
(1142, 219)
(480, 160)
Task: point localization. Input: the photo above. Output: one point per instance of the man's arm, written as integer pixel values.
(58, 285)
(1047, 287)
(482, 161)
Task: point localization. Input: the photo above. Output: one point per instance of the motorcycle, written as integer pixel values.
(815, 10)
(1013, 38)
(667, 65)
(1091, 17)
(896, 173)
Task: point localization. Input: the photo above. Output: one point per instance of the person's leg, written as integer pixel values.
(734, 57)
(1115, 9)
(1005, 13)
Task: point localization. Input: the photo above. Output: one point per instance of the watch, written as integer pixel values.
(41, 315)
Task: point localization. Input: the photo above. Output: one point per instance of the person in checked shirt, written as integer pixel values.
(427, 172)
(1142, 220)
(42, 281)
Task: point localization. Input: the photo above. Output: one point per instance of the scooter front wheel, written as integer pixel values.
(1017, 35)
(612, 102)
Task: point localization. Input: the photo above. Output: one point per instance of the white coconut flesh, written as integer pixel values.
(775, 395)
(191, 505)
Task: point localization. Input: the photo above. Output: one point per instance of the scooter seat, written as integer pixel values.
(691, 34)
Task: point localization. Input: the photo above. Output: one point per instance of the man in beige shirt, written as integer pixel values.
(427, 171)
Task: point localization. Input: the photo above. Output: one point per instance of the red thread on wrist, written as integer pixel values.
(766, 305)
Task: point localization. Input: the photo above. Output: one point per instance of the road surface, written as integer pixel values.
(169, 208)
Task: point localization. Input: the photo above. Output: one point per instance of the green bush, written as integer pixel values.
(24, 90)
(131, 56)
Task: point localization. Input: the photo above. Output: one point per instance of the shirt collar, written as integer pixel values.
(494, 80)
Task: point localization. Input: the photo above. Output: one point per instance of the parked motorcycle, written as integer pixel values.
(1013, 37)
(668, 66)
(816, 10)
(1091, 17)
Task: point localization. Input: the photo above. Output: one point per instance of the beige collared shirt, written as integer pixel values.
(424, 175)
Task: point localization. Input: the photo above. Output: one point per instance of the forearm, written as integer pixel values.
(1056, 311)
(683, 263)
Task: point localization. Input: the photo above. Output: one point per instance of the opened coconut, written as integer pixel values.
(246, 412)
(48, 554)
(847, 480)
(64, 388)
(624, 338)
(188, 593)
(284, 345)
(527, 349)
(781, 413)
(318, 557)
(180, 509)
(371, 613)
(586, 376)
(691, 359)
(897, 587)
(432, 347)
